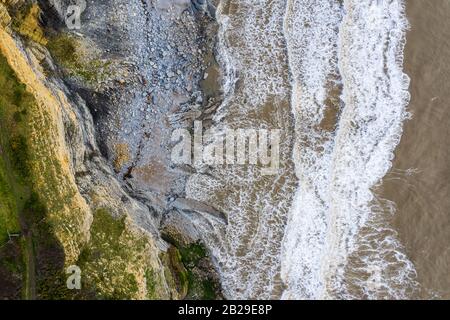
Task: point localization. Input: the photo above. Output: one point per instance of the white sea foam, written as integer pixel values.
(335, 200)
(311, 29)
(331, 241)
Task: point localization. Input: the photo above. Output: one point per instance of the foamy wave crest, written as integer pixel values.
(255, 81)
(337, 168)
(311, 29)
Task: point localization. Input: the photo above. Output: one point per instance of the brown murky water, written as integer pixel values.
(419, 182)
(329, 74)
(256, 96)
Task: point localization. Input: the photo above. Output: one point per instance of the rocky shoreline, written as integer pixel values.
(131, 75)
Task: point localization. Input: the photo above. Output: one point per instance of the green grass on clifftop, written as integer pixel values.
(14, 190)
(111, 260)
(14, 103)
(36, 254)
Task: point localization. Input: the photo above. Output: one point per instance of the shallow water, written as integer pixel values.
(256, 95)
(330, 74)
(418, 184)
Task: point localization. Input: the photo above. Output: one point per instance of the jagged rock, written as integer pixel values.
(118, 81)
(190, 205)
(178, 229)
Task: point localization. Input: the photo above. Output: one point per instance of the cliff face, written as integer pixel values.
(63, 199)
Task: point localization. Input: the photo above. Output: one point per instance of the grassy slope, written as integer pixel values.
(14, 103)
(33, 200)
(14, 180)
(65, 49)
(22, 212)
(32, 261)
(113, 259)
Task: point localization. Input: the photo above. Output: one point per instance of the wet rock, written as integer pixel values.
(178, 229)
(190, 205)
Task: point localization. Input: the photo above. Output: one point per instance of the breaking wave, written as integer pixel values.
(328, 72)
(353, 52)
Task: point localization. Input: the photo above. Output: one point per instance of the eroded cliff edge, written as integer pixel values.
(85, 140)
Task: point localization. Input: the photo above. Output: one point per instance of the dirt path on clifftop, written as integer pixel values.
(30, 276)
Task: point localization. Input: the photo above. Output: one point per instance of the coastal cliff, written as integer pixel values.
(84, 177)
